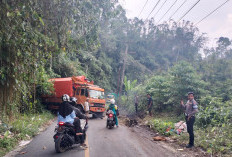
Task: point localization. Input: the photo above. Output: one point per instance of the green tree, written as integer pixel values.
(184, 79)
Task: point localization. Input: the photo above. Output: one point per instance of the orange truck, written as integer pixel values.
(81, 88)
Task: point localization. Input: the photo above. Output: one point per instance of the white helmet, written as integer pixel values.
(73, 99)
(112, 101)
(65, 97)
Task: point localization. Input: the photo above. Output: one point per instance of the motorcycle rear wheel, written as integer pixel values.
(58, 147)
(111, 126)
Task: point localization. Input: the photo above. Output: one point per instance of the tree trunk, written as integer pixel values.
(123, 70)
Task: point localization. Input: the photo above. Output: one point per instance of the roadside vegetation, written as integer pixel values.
(24, 127)
(213, 122)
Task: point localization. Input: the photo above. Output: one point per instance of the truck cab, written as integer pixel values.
(95, 95)
(96, 98)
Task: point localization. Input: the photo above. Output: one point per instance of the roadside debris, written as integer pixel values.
(180, 149)
(180, 127)
(23, 153)
(130, 122)
(23, 143)
(159, 138)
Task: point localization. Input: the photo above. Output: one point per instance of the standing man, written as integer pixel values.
(136, 103)
(150, 104)
(86, 106)
(191, 109)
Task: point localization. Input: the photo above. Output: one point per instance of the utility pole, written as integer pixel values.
(123, 70)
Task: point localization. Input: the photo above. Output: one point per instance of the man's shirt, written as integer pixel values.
(150, 101)
(136, 100)
(191, 108)
(69, 118)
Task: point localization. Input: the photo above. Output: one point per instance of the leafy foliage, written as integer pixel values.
(22, 128)
(129, 85)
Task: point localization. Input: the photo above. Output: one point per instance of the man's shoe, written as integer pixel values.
(84, 146)
(189, 146)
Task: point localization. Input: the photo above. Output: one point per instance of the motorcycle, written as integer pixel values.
(110, 119)
(65, 136)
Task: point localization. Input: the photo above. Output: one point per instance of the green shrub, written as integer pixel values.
(161, 126)
(22, 128)
(214, 112)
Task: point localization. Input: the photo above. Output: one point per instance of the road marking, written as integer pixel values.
(87, 150)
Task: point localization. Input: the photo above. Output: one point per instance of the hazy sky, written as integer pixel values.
(216, 25)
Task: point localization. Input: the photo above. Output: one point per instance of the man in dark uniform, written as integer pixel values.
(191, 109)
(150, 104)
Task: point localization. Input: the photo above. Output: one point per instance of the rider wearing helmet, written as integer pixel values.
(73, 102)
(113, 107)
(67, 114)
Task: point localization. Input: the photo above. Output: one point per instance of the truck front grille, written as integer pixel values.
(98, 105)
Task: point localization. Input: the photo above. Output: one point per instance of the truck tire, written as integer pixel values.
(98, 115)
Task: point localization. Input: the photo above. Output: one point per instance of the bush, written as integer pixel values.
(159, 88)
(161, 126)
(214, 112)
(22, 128)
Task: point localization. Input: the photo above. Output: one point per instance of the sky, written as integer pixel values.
(216, 25)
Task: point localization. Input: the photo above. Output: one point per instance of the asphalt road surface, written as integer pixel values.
(102, 142)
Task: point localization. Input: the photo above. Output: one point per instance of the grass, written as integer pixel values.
(215, 140)
(23, 128)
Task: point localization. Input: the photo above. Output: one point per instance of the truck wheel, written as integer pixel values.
(98, 115)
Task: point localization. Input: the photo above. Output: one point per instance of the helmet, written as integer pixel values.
(65, 97)
(73, 99)
(112, 101)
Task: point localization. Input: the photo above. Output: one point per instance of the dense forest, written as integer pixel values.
(46, 39)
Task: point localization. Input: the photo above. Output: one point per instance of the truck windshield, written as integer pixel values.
(96, 94)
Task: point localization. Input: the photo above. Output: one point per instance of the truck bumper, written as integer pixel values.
(97, 109)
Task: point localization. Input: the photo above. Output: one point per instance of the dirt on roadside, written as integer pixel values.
(139, 125)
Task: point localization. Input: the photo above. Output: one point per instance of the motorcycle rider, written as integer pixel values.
(113, 107)
(73, 102)
(67, 114)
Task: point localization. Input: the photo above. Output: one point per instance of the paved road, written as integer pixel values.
(118, 142)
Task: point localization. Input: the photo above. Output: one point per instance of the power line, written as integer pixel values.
(177, 9)
(168, 10)
(212, 12)
(189, 10)
(160, 8)
(143, 8)
(153, 9)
